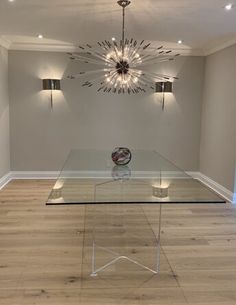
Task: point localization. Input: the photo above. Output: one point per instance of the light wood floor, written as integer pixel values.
(44, 254)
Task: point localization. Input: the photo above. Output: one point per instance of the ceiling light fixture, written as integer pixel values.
(180, 41)
(229, 7)
(40, 36)
(123, 64)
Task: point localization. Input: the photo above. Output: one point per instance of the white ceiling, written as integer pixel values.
(203, 25)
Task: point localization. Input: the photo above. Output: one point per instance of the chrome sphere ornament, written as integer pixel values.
(121, 156)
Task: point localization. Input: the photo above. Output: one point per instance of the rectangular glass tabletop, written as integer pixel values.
(91, 177)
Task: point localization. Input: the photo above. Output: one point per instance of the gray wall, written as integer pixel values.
(83, 118)
(218, 136)
(235, 186)
(4, 114)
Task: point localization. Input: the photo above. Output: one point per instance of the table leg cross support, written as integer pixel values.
(119, 257)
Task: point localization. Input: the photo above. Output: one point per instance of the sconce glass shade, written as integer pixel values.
(164, 87)
(51, 84)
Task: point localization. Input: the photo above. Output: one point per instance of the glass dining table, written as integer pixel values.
(116, 197)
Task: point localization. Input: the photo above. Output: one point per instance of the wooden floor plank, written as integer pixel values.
(45, 252)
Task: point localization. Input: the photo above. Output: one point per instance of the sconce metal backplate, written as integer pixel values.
(164, 87)
(51, 84)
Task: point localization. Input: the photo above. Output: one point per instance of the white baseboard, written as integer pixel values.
(195, 175)
(229, 196)
(5, 180)
(27, 175)
(35, 175)
(221, 190)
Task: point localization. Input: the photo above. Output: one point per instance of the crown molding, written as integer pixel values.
(210, 51)
(20, 46)
(5, 43)
(25, 46)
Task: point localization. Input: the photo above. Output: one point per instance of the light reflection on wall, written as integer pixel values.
(50, 72)
(58, 96)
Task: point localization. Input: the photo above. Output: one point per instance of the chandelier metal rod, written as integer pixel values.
(123, 4)
(163, 56)
(85, 73)
(154, 76)
(123, 32)
(145, 64)
(87, 60)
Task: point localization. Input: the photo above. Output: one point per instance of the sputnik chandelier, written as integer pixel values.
(122, 64)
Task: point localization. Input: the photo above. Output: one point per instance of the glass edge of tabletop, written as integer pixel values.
(150, 168)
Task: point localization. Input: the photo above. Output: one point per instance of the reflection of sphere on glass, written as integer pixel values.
(121, 172)
(121, 156)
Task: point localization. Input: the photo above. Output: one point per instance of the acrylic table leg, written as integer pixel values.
(159, 240)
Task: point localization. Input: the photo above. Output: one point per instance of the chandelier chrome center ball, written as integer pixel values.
(123, 64)
(122, 67)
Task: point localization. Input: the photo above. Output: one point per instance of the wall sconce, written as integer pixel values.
(51, 84)
(164, 87)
